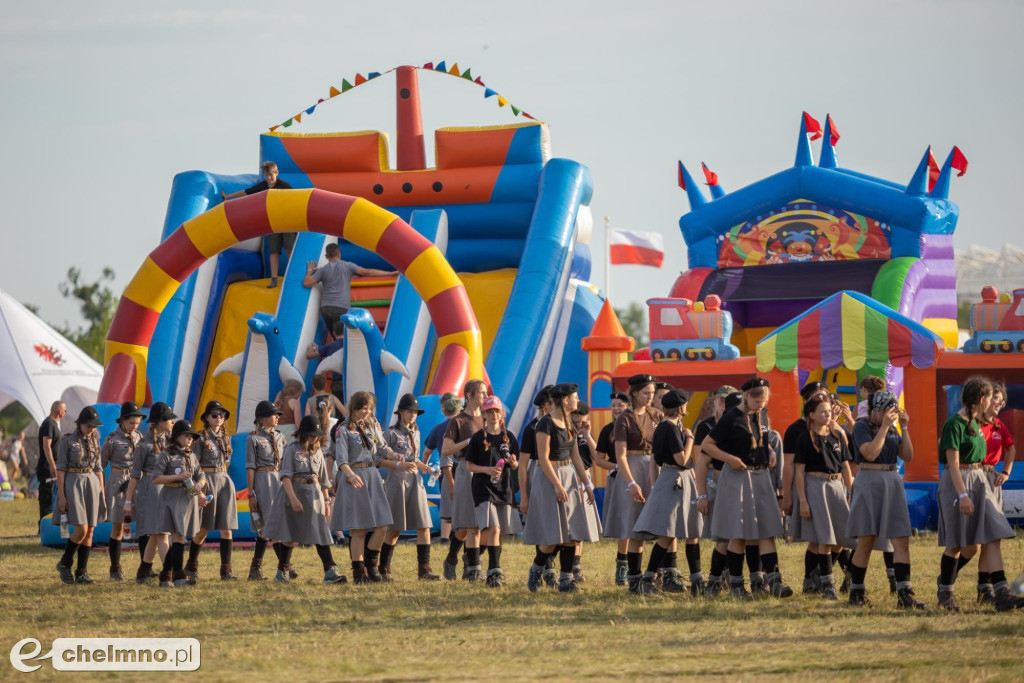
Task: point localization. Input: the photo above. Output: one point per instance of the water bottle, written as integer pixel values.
(496, 479)
(257, 518)
(1017, 586)
(127, 526)
(65, 532)
(189, 484)
(435, 470)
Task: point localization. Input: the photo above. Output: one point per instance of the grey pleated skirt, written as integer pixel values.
(671, 508)
(552, 523)
(830, 513)
(308, 527)
(114, 497)
(505, 517)
(363, 508)
(266, 485)
(444, 505)
(146, 509)
(222, 512)
(987, 524)
(878, 506)
(407, 499)
(84, 494)
(996, 490)
(463, 509)
(181, 513)
(621, 512)
(747, 507)
(712, 490)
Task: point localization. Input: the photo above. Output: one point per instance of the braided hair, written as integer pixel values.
(973, 391)
(755, 434)
(809, 407)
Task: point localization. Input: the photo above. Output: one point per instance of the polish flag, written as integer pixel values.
(629, 247)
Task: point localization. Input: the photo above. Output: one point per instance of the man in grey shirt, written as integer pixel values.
(336, 278)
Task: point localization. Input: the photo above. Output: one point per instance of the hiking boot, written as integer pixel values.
(740, 592)
(758, 586)
(776, 588)
(534, 578)
(659, 578)
(698, 588)
(986, 594)
(425, 574)
(360, 576)
(858, 597)
(906, 600)
(83, 579)
(385, 573)
(180, 579)
(673, 582)
(1004, 600)
(642, 585)
(65, 573)
(373, 574)
(281, 576)
(256, 573)
(448, 570)
(495, 579)
(947, 601)
(567, 585)
(811, 586)
(621, 570)
(292, 574)
(165, 580)
(142, 575)
(844, 587)
(577, 575)
(714, 588)
(116, 574)
(332, 575)
(474, 574)
(225, 573)
(892, 583)
(550, 578)
(828, 592)
(192, 572)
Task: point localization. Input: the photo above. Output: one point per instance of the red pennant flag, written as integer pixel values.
(710, 175)
(933, 170)
(360, 79)
(834, 132)
(428, 65)
(812, 126)
(273, 128)
(682, 181)
(959, 161)
(478, 81)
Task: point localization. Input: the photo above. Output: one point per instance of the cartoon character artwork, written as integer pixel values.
(803, 231)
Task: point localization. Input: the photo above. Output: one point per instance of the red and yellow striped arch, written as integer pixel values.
(357, 220)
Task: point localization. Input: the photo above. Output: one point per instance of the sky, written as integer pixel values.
(105, 102)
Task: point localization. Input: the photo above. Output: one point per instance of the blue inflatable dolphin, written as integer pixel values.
(363, 360)
(262, 367)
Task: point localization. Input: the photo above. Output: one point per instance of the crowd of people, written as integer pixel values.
(830, 480)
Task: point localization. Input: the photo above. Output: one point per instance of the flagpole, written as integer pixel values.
(607, 258)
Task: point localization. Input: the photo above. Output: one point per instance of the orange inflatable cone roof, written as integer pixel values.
(607, 333)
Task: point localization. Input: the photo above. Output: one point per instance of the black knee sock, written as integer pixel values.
(961, 563)
(947, 570)
(115, 552)
(288, 550)
(565, 555)
(693, 557)
(671, 560)
(423, 553)
(193, 552)
(386, 551)
(634, 560)
(824, 564)
(549, 565)
(620, 557)
(143, 541)
(842, 559)
(901, 570)
(259, 550)
(984, 578)
(770, 563)
(179, 556)
(168, 561)
(472, 557)
(998, 577)
(811, 560)
(225, 551)
(326, 559)
(755, 560)
(654, 562)
(70, 547)
(735, 563)
(83, 558)
(371, 558)
(857, 574)
(278, 550)
(717, 563)
(357, 567)
(493, 557)
(541, 558)
(454, 546)
(889, 558)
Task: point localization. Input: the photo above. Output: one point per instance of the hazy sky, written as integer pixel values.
(104, 102)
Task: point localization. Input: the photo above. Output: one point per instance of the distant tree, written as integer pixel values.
(14, 418)
(634, 321)
(97, 303)
(963, 315)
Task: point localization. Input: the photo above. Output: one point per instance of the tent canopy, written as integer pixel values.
(852, 330)
(40, 366)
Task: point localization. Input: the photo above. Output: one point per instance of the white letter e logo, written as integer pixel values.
(17, 657)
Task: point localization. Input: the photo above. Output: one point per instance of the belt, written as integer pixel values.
(681, 468)
(638, 452)
(989, 468)
(970, 466)
(175, 485)
(75, 470)
(562, 463)
(877, 466)
(217, 469)
(825, 475)
(305, 478)
(268, 468)
(116, 470)
(757, 467)
(358, 465)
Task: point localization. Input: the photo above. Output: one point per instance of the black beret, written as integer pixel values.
(543, 396)
(812, 388)
(755, 382)
(564, 389)
(733, 400)
(641, 380)
(621, 395)
(675, 398)
(663, 385)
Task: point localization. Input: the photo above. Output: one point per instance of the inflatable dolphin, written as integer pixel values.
(363, 361)
(262, 367)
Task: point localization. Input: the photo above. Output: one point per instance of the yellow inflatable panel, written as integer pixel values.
(241, 300)
(946, 328)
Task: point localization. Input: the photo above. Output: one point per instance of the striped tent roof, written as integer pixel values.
(852, 330)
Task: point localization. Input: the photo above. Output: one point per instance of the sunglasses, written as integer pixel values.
(218, 416)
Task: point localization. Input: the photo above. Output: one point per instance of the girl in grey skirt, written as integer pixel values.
(969, 514)
(142, 499)
(298, 513)
(407, 496)
(214, 452)
(747, 508)
(822, 479)
(557, 518)
(80, 488)
(181, 498)
(492, 457)
(670, 512)
(119, 452)
(264, 449)
(361, 505)
(603, 456)
(528, 470)
(450, 406)
(878, 507)
(633, 432)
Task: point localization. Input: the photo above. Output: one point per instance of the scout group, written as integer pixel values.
(737, 482)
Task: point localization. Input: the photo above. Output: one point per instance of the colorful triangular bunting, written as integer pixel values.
(372, 75)
(273, 128)
(478, 81)
(440, 66)
(334, 91)
(298, 118)
(502, 101)
(287, 123)
(489, 93)
(516, 110)
(467, 75)
(345, 85)
(454, 71)
(428, 65)
(360, 79)
(310, 110)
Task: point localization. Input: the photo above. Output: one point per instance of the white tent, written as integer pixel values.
(39, 366)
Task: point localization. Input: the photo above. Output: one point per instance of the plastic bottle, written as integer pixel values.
(496, 479)
(189, 484)
(1017, 587)
(435, 470)
(65, 531)
(127, 526)
(257, 518)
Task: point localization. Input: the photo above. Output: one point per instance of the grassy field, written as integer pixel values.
(412, 631)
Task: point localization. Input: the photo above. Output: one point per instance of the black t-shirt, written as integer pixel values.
(704, 428)
(604, 441)
(668, 440)
(734, 437)
(262, 186)
(529, 442)
(49, 429)
(584, 448)
(478, 453)
(561, 442)
(793, 433)
(864, 432)
(828, 457)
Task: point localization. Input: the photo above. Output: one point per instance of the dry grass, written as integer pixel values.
(411, 630)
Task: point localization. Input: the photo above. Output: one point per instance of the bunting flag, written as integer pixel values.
(933, 170)
(709, 175)
(682, 180)
(834, 137)
(959, 161)
(441, 67)
(629, 247)
(812, 126)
